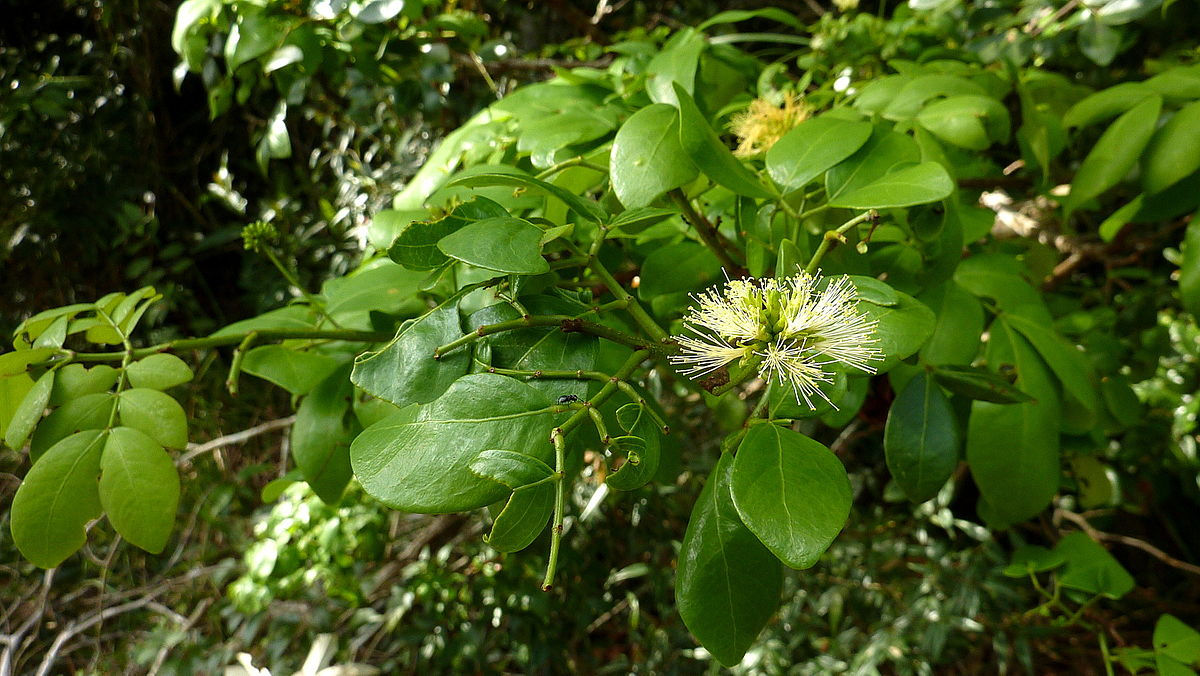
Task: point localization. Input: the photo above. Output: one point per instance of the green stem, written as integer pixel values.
(567, 164)
(813, 211)
(634, 396)
(832, 236)
(546, 374)
(567, 323)
(635, 309)
(558, 438)
(601, 428)
(1108, 668)
(294, 280)
(707, 232)
(235, 366)
(184, 344)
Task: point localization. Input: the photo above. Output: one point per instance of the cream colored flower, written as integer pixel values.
(791, 329)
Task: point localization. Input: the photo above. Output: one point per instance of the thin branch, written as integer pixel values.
(194, 450)
(1101, 536)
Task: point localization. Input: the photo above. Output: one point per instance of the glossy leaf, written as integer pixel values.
(510, 245)
(642, 448)
(1033, 559)
(322, 434)
(973, 122)
(815, 145)
(424, 465)
(1175, 640)
(13, 389)
(902, 328)
(647, 158)
(1106, 104)
(959, 325)
(387, 287)
(1013, 450)
(523, 518)
(1189, 268)
(1072, 370)
(156, 414)
(58, 497)
(980, 384)
(921, 439)
(139, 488)
(416, 247)
(884, 152)
(510, 468)
(926, 182)
(791, 492)
(404, 371)
(709, 154)
(727, 584)
(296, 371)
(586, 209)
(677, 268)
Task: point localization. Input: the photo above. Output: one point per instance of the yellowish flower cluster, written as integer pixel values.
(794, 328)
(763, 123)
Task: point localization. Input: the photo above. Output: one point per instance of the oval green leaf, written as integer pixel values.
(139, 488)
(507, 244)
(814, 146)
(57, 499)
(791, 492)
(921, 439)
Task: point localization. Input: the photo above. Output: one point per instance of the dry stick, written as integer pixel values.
(707, 231)
(231, 439)
(14, 640)
(1101, 536)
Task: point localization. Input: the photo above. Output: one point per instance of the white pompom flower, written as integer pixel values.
(793, 329)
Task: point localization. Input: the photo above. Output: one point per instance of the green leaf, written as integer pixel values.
(387, 287)
(925, 182)
(297, 317)
(322, 434)
(977, 383)
(1174, 152)
(814, 146)
(29, 412)
(510, 245)
(296, 371)
(647, 158)
(999, 277)
(18, 361)
(1072, 370)
(1013, 450)
(1099, 42)
(404, 371)
(727, 584)
(158, 372)
(902, 328)
(154, 413)
(784, 402)
(1106, 104)
(416, 247)
(1115, 153)
(89, 412)
(921, 439)
(884, 151)
(676, 62)
(139, 487)
(1090, 568)
(523, 518)
(58, 497)
(634, 221)
(955, 338)
(538, 348)
(1176, 640)
(13, 389)
(586, 209)
(642, 448)
(791, 492)
(973, 122)
(875, 291)
(75, 380)
(912, 97)
(510, 468)
(709, 154)
(1189, 268)
(736, 15)
(1033, 559)
(677, 268)
(424, 465)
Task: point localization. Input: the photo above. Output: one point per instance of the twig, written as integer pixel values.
(194, 450)
(1101, 536)
(14, 640)
(184, 626)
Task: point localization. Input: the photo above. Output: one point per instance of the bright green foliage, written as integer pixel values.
(518, 317)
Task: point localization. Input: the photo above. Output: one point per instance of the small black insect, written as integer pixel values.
(568, 399)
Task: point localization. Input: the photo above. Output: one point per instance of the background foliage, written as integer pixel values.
(139, 139)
